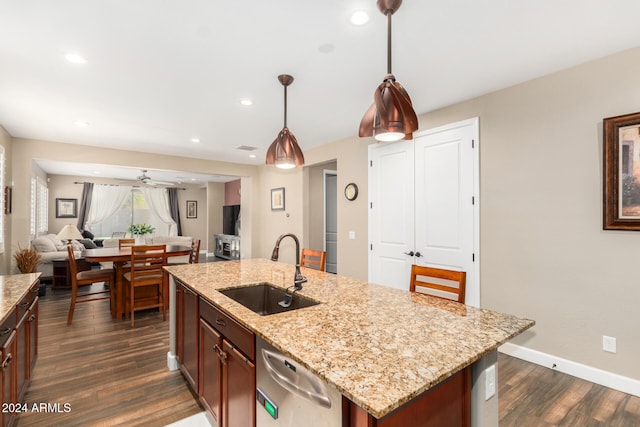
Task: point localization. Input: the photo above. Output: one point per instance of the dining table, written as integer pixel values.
(119, 257)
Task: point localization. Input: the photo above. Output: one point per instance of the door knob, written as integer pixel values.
(408, 253)
(418, 254)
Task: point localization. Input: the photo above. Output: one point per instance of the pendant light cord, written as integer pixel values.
(285, 106)
(389, 13)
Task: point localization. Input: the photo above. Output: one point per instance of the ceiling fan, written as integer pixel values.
(146, 179)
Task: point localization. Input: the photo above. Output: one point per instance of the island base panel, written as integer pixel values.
(448, 404)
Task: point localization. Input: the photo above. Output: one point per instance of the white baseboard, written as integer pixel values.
(589, 373)
(172, 362)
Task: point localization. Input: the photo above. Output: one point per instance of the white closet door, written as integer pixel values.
(445, 185)
(391, 210)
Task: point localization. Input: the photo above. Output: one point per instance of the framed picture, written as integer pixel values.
(277, 199)
(8, 191)
(192, 209)
(66, 208)
(621, 186)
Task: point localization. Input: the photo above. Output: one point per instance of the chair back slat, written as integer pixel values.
(313, 259)
(123, 243)
(194, 255)
(448, 284)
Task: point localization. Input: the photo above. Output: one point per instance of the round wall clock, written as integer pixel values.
(351, 191)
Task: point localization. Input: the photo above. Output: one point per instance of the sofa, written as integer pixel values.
(50, 247)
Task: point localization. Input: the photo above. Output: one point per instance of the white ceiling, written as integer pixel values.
(160, 73)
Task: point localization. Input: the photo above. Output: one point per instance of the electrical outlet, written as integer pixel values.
(609, 344)
(352, 235)
(490, 382)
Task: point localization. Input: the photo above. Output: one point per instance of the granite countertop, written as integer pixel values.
(12, 289)
(379, 346)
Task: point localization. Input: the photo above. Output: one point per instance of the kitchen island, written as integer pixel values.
(379, 347)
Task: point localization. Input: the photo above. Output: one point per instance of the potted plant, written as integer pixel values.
(27, 260)
(139, 230)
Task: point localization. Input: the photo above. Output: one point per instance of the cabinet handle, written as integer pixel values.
(5, 331)
(32, 318)
(23, 304)
(220, 322)
(221, 353)
(6, 361)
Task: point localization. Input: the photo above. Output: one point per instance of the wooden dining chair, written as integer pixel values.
(313, 259)
(448, 284)
(194, 255)
(123, 243)
(118, 234)
(88, 277)
(146, 272)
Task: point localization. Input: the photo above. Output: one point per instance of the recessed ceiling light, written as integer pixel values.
(359, 18)
(195, 140)
(97, 172)
(246, 102)
(193, 179)
(75, 58)
(253, 156)
(81, 123)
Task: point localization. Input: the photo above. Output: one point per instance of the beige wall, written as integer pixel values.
(314, 215)
(544, 254)
(350, 155)
(215, 200)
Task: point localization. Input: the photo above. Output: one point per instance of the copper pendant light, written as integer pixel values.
(391, 116)
(285, 152)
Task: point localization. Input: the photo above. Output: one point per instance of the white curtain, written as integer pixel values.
(106, 200)
(158, 201)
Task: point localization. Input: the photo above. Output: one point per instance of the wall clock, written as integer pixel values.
(351, 191)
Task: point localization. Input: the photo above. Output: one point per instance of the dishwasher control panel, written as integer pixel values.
(267, 404)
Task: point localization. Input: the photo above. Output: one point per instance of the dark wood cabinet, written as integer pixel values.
(210, 371)
(227, 369)
(187, 333)
(238, 388)
(8, 343)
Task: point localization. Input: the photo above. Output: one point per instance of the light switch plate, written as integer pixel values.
(352, 235)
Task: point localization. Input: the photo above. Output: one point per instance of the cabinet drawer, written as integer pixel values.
(240, 336)
(7, 327)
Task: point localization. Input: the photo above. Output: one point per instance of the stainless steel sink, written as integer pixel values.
(264, 298)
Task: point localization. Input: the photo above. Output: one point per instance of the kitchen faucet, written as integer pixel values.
(299, 279)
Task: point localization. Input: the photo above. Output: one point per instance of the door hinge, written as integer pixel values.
(370, 163)
(473, 200)
(370, 205)
(371, 246)
(473, 143)
(473, 257)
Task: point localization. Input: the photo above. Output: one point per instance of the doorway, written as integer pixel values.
(331, 219)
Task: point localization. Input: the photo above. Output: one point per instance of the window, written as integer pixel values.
(134, 210)
(32, 218)
(42, 206)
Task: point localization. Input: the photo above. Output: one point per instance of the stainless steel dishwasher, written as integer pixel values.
(288, 394)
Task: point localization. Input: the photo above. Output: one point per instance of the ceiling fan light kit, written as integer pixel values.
(391, 116)
(284, 152)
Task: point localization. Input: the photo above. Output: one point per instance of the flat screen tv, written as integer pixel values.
(230, 224)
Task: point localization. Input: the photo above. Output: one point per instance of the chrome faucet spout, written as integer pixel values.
(299, 279)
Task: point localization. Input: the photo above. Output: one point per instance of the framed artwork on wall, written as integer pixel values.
(277, 199)
(192, 209)
(621, 173)
(66, 208)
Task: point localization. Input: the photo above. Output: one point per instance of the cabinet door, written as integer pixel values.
(33, 336)
(189, 360)
(8, 366)
(211, 370)
(22, 354)
(180, 322)
(238, 388)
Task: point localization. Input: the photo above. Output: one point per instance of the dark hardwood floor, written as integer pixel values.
(532, 395)
(113, 375)
(108, 373)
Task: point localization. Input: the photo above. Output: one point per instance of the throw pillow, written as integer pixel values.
(43, 244)
(88, 243)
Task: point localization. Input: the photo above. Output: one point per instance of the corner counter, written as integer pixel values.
(380, 347)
